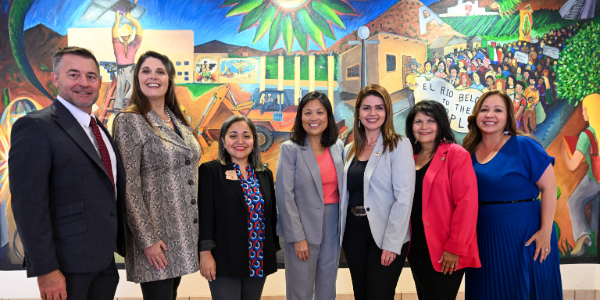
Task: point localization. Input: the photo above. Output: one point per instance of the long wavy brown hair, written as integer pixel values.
(139, 103)
(390, 137)
(473, 138)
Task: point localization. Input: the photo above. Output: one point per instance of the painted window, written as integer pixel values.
(390, 62)
(178, 63)
(353, 71)
(178, 73)
(187, 73)
(187, 79)
(186, 63)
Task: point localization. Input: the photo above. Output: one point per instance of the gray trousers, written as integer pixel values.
(411, 98)
(124, 76)
(318, 274)
(586, 191)
(237, 288)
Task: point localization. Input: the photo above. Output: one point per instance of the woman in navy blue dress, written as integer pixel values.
(515, 231)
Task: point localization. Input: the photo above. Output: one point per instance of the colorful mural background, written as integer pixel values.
(258, 57)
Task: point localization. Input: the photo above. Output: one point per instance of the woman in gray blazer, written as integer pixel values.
(309, 173)
(161, 155)
(377, 196)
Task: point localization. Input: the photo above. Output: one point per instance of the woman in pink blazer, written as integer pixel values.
(444, 212)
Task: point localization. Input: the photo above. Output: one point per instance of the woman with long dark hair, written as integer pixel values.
(444, 212)
(515, 230)
(161, 154)
(309, 173)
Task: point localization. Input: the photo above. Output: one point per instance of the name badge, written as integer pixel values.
(231, 175)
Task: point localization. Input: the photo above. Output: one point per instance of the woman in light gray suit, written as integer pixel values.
(160, 154)
(377, 196)
(309, 173)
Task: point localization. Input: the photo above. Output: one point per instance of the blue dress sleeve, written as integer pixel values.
(535, 158)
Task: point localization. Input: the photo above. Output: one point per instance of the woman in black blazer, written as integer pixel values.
(237, 215)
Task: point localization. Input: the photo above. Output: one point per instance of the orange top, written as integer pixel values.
(328, 177)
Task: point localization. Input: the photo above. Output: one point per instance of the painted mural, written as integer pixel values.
(259, 57)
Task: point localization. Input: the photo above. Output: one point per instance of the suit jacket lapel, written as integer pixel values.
(313, 166)
(373, 160)
(235, 185)
(167, 133)
(436, 164)
(336, 155)
(68, 123)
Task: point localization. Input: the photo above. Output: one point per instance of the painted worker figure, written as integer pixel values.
(125, 55)
(269, 104)
(411, 81)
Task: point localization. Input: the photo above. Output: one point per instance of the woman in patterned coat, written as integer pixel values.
(238, 215)
(161, 157)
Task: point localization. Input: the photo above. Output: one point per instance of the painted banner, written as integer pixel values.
(521, 57)
(551, 51)
(458, 103)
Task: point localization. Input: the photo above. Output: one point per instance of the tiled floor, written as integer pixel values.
(568, 295)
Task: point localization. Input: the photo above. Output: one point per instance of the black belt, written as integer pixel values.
(483, 203)
(358, 211)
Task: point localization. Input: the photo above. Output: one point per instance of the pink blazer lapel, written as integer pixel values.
(438, 160)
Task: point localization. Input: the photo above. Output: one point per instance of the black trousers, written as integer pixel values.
(370, 279)
(161, 290)
(100, 285)
(430, 283)
(237, 288)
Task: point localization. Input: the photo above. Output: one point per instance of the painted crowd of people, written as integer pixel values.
(530, 83)
(383, 198)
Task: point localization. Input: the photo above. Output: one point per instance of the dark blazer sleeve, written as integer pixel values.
(273, 215)
(206, 209)
(29, 165)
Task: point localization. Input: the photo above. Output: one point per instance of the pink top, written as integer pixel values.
(328, 177)
(132, 48)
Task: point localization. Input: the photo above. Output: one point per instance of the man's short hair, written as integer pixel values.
(455, 68)
(73, 50)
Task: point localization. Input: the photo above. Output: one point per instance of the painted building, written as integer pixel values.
(386, 62)
(466, 8)
(178, 45)
(473, 42)
(447, 44)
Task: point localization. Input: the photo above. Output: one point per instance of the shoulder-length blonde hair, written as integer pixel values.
(390, 137)
(473, 138)
(139, 103)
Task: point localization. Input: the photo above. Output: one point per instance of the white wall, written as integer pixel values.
(15, 284)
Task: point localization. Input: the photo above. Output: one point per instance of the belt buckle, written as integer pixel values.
(358, 211)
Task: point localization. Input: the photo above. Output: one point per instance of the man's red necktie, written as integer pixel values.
(103, 150)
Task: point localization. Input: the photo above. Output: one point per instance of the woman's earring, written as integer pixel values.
(358, 123)
(416, 141)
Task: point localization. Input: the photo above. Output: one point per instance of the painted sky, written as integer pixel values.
(205, 18)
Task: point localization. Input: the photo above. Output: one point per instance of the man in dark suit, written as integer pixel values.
(68, 185)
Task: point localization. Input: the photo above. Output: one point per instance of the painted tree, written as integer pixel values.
(578, 73)
(6, 97)
(321, 68)
(271, 67)
(241, 65)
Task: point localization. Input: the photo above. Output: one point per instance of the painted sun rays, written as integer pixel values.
(303, 19)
